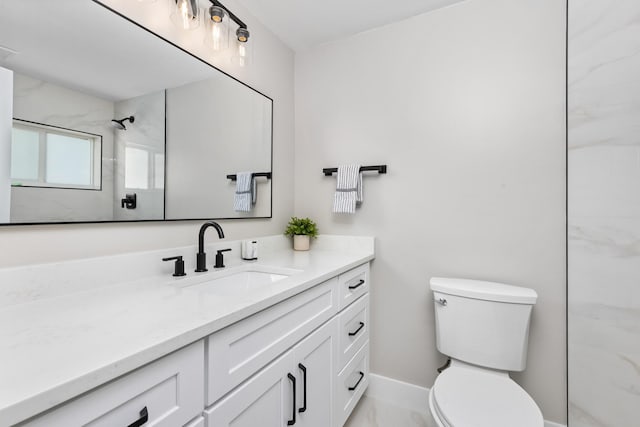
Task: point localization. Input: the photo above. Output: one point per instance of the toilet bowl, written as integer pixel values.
(484, 328)
(470, 396)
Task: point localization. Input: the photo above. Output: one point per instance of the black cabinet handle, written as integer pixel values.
(293, 412)
(354, 333)
(144, 417)
(358, 383)
(360, 283)
(304, 393)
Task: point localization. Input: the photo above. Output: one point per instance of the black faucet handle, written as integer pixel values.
(220, 258)
(179, 266)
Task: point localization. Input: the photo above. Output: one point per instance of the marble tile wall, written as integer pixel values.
(145, 133)
(49, 103)
(604, 213)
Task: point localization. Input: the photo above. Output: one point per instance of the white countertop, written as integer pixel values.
(56, 347)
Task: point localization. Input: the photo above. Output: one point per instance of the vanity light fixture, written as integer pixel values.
(217, 33)
(217, 29)
(186, 14)
(243, 48)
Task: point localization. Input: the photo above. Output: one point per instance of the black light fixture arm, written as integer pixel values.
(231, 15)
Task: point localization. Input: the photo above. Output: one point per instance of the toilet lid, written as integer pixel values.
(468, 397)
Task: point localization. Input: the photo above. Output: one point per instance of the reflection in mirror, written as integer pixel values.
(138, 150)
(98, 101)
(213, 140)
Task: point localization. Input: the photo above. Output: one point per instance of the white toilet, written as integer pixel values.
(484, 328)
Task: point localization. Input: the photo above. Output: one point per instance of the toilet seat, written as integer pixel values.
(465, 396)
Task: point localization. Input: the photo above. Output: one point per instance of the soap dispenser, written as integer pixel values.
(249, 249)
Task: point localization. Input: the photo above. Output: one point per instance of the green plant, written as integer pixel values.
(301, 226)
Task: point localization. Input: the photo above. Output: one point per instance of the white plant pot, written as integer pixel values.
(301, 242)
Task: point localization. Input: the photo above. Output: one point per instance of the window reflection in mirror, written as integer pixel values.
(44, 156)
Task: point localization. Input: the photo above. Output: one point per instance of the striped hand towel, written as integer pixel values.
(244, 198)
(348, 189)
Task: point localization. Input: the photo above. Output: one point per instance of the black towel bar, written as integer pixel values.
(255, 175)
(378, 168)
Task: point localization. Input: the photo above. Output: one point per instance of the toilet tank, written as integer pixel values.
(483, 323)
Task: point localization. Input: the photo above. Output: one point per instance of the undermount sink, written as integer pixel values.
(241, 280)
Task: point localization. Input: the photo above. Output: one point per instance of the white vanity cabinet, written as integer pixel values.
(303, 362)
(319, 378)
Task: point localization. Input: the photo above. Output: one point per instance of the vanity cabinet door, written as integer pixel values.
(266, 400)
(316, 367)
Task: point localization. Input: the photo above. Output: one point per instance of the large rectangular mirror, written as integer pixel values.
(110, 122)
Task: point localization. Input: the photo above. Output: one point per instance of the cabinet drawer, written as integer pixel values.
(351, 384)
(354, 329)
(240, 350)
(353, 284)
(170, 391)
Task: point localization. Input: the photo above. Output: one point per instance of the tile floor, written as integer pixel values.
(375, 413)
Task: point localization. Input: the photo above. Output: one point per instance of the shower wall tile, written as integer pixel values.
(49, 103)
(145, 133)
(604, 212)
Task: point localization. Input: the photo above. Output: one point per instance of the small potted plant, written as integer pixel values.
(302, 229)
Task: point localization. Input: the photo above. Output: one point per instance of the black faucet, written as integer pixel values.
(201, 257)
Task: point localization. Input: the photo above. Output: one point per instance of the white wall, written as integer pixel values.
(6, 118)
(51, 104)
(604, 213)
(270, 73)
(466, 106)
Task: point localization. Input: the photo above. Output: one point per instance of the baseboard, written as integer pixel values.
(398, 393)
(407, 396)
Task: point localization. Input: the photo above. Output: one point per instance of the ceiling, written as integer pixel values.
(303, 24)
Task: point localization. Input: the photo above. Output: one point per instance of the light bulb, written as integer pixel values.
(243, 49)
(217, 32)
(242, 54)
(216, 37)
(185, 14)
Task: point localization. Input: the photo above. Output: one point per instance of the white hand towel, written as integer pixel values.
(244, 199)
(348, 189)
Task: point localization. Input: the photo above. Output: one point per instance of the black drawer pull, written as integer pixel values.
(358, 383)
(293, 412)
(354, 333)
(360, 283)
(304, 393)
(144, 417)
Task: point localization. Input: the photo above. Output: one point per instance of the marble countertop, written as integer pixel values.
(57, 347)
